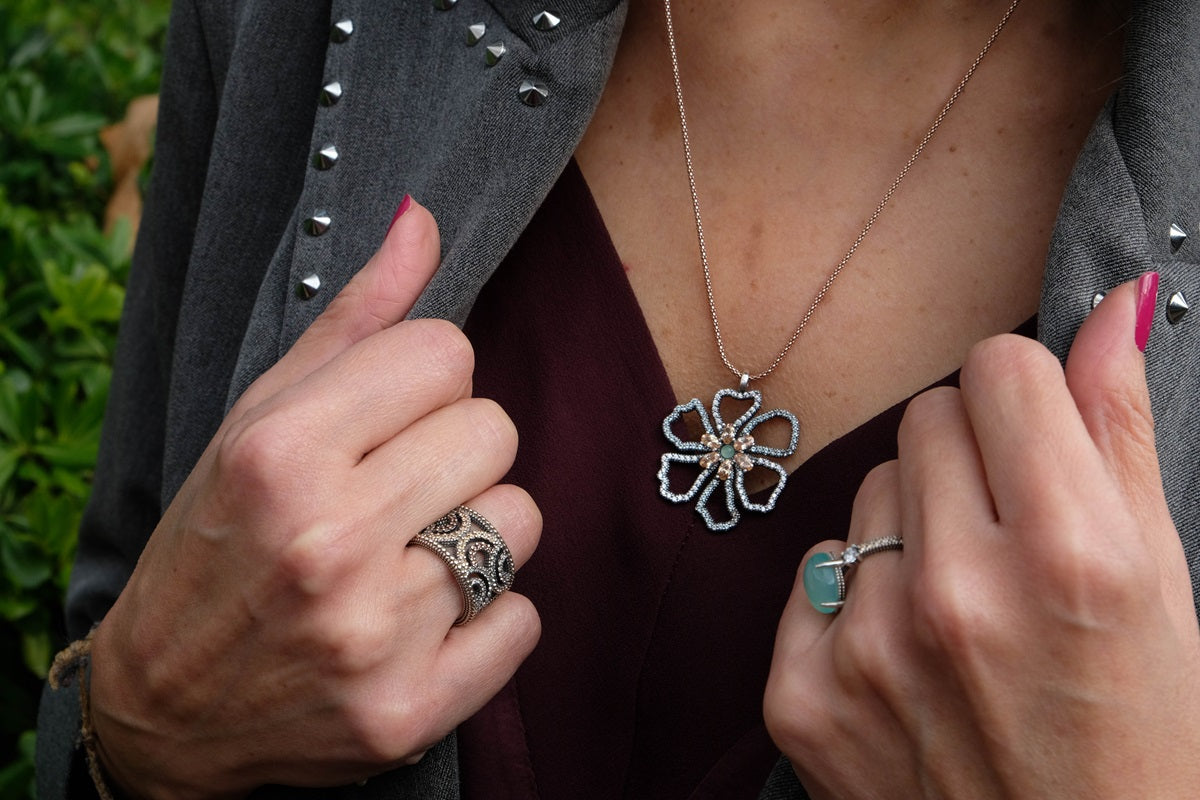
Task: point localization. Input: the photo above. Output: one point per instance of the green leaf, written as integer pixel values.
(120, 241)
(72, 125)
(29, 50)
(17, 606)
(27, 352)
(8, 464)
(73, 482)
(19, 412)
(24, 563)
(79, 454)
(37, 651)
(15, 777)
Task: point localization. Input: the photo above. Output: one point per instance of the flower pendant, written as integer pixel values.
(725, 453)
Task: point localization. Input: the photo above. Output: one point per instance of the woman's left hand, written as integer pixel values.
(1036, 637)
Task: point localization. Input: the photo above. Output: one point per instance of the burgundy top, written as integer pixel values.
(657, 633)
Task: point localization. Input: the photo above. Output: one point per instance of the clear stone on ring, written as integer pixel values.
(850, 555)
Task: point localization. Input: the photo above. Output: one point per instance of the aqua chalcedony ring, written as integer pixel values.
(825, 573)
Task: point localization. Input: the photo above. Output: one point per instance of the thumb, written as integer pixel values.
(1106, 375)
(379, 296)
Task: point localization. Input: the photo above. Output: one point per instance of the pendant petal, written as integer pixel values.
(664, 477)
(763, 450)
(730, 506)
(753, 395)
(692, 405)
(749, 504)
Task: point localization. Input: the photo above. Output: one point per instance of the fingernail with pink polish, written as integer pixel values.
(1147, 298)
(405, 204)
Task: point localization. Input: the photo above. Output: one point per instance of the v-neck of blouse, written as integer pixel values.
(657, 633)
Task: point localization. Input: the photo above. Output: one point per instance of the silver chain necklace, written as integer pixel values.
(727, 450)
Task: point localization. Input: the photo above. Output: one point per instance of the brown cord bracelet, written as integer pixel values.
(72, 664)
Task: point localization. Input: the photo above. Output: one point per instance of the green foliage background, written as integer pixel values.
(67, 68)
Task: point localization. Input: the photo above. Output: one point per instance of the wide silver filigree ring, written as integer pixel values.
(475, 553)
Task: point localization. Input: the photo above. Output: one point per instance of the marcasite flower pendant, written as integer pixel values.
(725, 452)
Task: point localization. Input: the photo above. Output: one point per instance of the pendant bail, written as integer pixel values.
(744, 383)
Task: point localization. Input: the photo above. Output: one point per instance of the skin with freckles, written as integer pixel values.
(801, 114)
(1035, 638)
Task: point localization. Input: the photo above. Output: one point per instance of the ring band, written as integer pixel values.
(825, 573)
(475, 553)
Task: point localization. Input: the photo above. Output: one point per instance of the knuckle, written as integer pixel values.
(860, 655)
(1001, 357)
(301, 566)
(353, 649)
(519, 627)
(948, 616)
(309, 562)
(446, 347)
(393, 725)
(518, 509)
(879, 484)
(490, 426)
(250, 454)
(411, 726)
(793, 714)
(378, 735)
(928, 411)
(1090, 585)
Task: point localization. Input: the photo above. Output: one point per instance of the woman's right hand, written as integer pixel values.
(277, 629)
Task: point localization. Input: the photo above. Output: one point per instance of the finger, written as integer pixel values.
(801, 625)
(876, 508)
(943, 490)
(1106, 374)
(479, 658)
(379, 296)
(438, 462)
(465, 669)
(513, 514)
(375, 389)
(515, 517)
(1035, 449)
(876, 514)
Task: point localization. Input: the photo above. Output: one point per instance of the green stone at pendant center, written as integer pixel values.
(728, 451)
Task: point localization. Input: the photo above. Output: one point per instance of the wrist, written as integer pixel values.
(137, 756)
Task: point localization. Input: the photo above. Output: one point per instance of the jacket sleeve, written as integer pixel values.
(125, 505)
